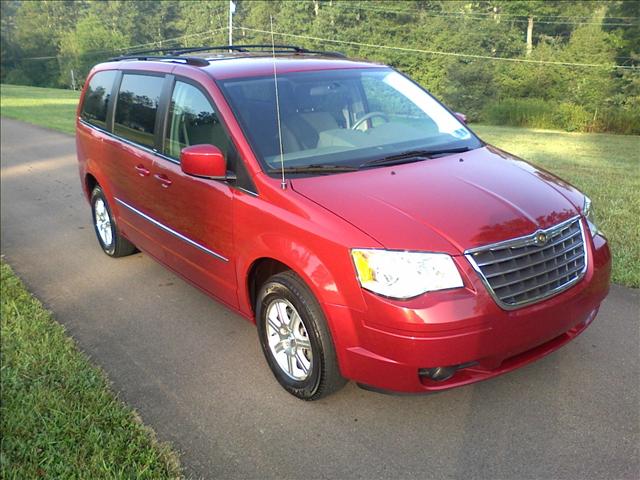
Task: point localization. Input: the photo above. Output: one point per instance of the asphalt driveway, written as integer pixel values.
(195, 372)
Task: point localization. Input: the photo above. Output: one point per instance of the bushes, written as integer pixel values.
(617, 120)
(538, 113)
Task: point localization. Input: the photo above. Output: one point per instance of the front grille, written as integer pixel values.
(525, 270)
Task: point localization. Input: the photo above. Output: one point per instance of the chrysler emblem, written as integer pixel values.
(541, 238)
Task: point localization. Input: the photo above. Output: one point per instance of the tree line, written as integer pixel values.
(551, 64)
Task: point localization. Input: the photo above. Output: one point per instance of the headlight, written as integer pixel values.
(587, 211)
(399, 274)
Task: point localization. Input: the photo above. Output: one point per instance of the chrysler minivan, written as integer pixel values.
(364, 228)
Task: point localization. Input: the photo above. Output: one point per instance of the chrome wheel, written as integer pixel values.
(103, 222)
(288, 340)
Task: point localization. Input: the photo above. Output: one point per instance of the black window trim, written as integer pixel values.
(154, 148)
(162, 120)
(114, 99)
(116, 81)
(164, 124)
(220, 83)
(249, 136)
(111, 110)
(198, 86)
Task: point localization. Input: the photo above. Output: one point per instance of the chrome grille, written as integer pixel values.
(525, 270)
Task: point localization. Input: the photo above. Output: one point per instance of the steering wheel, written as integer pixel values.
(366, 117)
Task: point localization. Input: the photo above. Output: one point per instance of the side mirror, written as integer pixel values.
(205, 161)
(461, 116)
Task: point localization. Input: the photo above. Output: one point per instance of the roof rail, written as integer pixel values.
(236, 48)
(168, 50)
(246, 48)
(176, 53)
(264, 48)
(327, 53)
(195, 61)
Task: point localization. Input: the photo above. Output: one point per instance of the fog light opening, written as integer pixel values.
(439, 374)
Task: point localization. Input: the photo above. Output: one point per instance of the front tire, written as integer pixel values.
(109, 238)
(295, 339)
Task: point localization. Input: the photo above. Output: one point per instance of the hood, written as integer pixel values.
(448, 204)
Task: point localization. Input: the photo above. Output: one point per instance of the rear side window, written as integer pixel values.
(136, 108)
(193, 121)
(96, 98)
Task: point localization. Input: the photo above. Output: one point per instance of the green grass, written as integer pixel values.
(606, 167)
(58, 416)
(48, 107)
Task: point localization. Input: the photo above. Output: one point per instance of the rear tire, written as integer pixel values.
(104, 224)
(295, 339)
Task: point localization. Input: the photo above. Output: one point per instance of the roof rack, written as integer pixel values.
(261, 48)
(195, 61)
(176, 53)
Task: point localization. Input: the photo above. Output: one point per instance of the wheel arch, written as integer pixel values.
(93, 178)
(90, 182)
(313, 271)
(259, 271)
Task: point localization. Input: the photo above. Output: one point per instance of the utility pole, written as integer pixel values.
(530, 36)
(232, 8)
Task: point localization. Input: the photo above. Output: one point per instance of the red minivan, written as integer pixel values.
(363, 227)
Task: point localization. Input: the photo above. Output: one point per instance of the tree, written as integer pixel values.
(39, 27)
(87, 44)
(9, 50)
(42, 41)
(593, 86)
(209, 16)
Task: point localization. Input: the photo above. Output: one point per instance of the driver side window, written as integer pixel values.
(193, 121)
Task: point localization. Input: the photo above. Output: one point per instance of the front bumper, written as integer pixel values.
(385, 346)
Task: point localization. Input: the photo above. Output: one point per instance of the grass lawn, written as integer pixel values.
(48, 107)
(58, 417)
(605, 167)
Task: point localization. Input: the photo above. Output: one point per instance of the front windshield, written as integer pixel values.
(342, 118)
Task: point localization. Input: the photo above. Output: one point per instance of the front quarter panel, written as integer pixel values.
(313, 242)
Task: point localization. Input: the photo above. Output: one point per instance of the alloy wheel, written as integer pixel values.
(103, 222)
(288, 340)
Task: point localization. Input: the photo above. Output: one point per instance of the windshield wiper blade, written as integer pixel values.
(316, 168)
(413, 156)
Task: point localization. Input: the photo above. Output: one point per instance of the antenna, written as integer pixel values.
(275, 80)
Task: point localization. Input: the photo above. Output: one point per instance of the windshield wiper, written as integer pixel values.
(316, 168)
(412, 156)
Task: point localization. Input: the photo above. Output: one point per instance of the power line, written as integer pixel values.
(113, 21)
(452, 54)
(182, 37)
(523, 18)
(132, 47)
(493, 13)
(362, 44)
(141, 45)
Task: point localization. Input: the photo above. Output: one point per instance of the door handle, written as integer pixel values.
(165, 182)
(142, 171)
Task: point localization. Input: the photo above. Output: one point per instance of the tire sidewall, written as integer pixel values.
(98, 194)
(270, 292)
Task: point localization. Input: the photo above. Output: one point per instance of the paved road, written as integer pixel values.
(196, 374)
